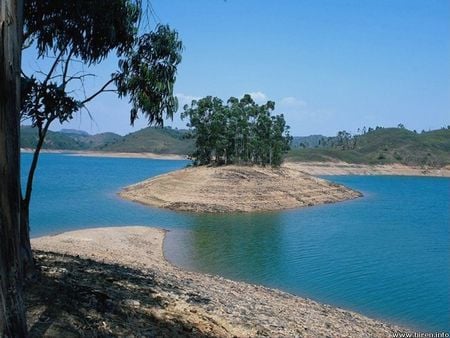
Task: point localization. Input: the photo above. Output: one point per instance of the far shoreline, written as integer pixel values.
(344, 168)
(313, 168)
(95, 153)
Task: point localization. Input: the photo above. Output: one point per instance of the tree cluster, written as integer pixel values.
(240, 132)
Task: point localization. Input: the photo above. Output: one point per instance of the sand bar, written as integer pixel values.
(236, 189)
(212, 305)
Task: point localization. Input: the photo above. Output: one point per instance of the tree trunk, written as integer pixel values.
(12, 312)
(25, 244)
(28, 267)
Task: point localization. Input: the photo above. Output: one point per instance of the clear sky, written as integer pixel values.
(328, 64)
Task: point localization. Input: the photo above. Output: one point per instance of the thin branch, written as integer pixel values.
(51, 77)
(23, 74)
(71, 78)
(91, 117)
(66, 68)
(61, 53)
(101, 90)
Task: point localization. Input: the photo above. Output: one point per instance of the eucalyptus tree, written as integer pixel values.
(12, 313)
(279, 143)
(239, 132)
(75, 36)
(204, 123)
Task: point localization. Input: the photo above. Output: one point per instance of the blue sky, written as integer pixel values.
(328, 64)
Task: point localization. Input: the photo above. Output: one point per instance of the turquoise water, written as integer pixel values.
(385, 255)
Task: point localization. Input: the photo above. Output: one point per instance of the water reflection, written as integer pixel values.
(384, 255)
(212, 241)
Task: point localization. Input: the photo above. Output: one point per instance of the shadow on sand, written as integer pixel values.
(76, 297)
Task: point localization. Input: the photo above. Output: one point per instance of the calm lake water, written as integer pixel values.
(385, 255)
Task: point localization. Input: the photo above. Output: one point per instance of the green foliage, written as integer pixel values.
(147, 75)
(90, 29)
(383, 145)
(76, 33)
(239, 132)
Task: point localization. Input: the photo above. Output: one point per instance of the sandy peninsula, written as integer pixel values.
(132, 290)
(236, 189)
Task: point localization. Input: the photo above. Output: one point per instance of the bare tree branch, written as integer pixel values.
(101, 90)
(80, 77)
(52, 69)
(66, 68)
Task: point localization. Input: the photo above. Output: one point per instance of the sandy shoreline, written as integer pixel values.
(92, 153)
(213, 305)
(312, 168)
(343, 168)
(236, 189)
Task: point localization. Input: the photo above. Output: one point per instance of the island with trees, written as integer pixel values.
(239, 149)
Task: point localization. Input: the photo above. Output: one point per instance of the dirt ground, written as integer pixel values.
(115, 282)
(236, 189)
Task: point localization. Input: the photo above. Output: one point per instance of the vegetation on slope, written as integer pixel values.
(382, 146)
(66, 140)
(154, 140)
(379, 146)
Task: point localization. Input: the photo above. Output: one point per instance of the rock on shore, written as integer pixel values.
(116, 282)
(236, 189)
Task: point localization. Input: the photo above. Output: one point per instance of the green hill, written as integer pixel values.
(54, 140)
(380, 146)
(383, 146)
(311, 141)
(155, 140)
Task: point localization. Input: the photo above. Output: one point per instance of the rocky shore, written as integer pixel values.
(116, 282)
(236, 189)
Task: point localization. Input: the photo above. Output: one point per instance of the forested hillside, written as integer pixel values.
(382, 146)
(153, 140)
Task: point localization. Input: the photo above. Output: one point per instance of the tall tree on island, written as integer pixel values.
(240, 132)
(12, 313)
(78, 35)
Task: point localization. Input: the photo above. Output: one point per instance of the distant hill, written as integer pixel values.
(155, 140)
(312, 141)
(74, 132)
(383, 146)
(54, 140)
(380, 146)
